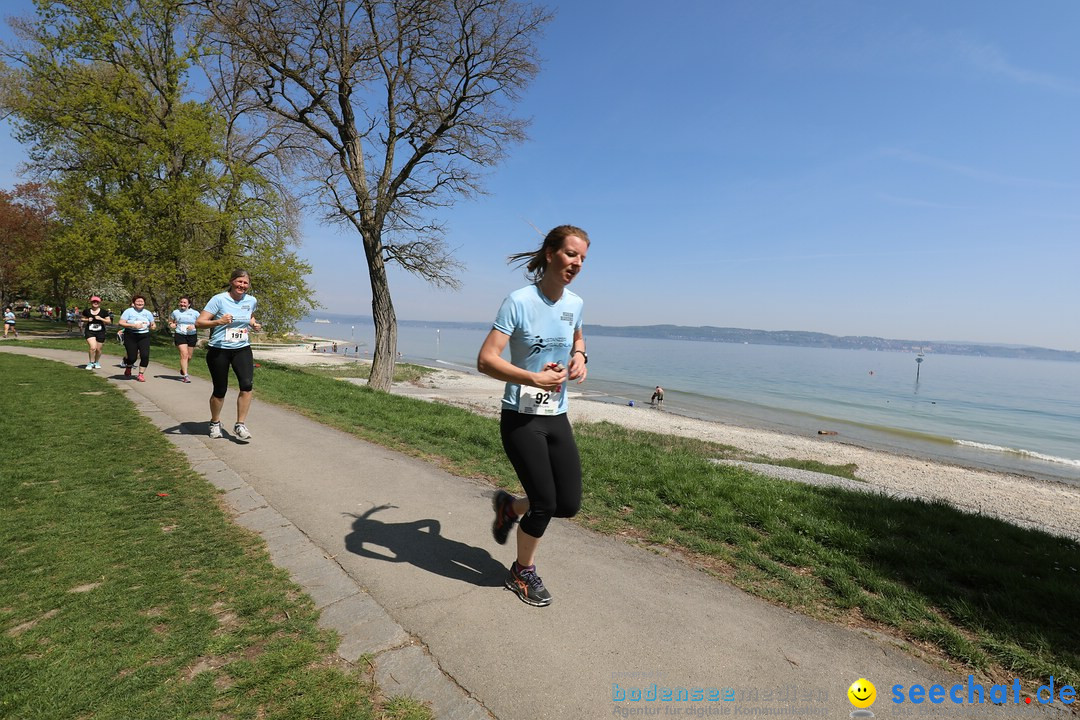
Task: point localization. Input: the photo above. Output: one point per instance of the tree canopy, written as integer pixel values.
(395, 107)
(154, 187)
(27, 218)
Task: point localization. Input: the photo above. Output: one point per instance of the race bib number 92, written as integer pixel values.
(537, 401)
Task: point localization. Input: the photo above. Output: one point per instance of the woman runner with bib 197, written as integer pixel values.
(231, 315)
(542, 325)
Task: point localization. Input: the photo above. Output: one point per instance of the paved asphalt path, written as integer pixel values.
(399, 556)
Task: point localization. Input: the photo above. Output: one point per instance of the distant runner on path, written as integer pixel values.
(542, 324)
(185, 336)
(231, 315)
(96, 320)
(137, 322)
(9, 322)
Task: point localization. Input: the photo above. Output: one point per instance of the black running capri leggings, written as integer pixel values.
(242, 362)
(543, 452)
(136, 344)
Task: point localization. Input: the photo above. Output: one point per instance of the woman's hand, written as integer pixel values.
(578, 371)
(551, 377)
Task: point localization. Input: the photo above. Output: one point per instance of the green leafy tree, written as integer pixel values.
(99, 91)
(396, 105)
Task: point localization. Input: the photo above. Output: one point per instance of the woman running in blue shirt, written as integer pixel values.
(231, 315)
(9, 322)
(137, 323)
(185, 336)
(542, 325)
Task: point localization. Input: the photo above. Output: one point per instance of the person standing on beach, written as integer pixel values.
(658, 396)
(95, 319)
(231, 316)
(137, 322)
(185, 336)
(542, 325)
(9, 322)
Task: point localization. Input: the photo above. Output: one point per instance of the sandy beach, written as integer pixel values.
(1026, 501)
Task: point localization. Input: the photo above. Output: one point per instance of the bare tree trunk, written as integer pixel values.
(406, 101)
(382, 312)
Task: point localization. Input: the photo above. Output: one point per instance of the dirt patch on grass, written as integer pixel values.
(20, 629)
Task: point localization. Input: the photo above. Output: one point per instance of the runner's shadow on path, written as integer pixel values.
(420, 543)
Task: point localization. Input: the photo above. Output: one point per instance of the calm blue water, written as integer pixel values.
(1006, 414)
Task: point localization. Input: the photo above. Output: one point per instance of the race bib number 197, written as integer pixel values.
(236, 334)
(536, 401)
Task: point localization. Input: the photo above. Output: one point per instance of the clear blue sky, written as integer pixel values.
(901, 169)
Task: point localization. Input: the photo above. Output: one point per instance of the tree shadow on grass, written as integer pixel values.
(420, 543)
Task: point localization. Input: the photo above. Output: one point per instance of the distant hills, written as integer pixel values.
(815, 339)
(799, 338)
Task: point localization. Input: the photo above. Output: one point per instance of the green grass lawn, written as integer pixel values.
(983, 593)
(125, 590)
(976, 591)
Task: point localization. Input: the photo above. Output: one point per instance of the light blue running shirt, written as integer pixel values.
(541, 332)
(234, 335)
(131, 315)
(185, 321)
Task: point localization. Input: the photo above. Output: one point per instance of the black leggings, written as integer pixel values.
(136, 344)
(543, 452)
(243, 364)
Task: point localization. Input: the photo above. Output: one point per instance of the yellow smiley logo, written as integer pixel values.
(862, 693)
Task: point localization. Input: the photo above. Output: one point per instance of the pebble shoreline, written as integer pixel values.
(1030, 502)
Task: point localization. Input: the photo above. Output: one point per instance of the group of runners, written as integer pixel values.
(229, 315)
(541, 324)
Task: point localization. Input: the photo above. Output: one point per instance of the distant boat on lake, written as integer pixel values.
(322, 322)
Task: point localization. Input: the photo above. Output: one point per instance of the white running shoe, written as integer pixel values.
(89, 366)
(215, 430)
(241, 431)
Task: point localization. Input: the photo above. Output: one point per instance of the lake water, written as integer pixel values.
(1005, 414)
